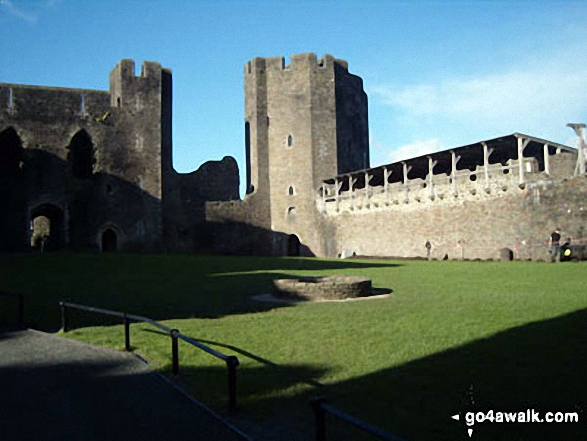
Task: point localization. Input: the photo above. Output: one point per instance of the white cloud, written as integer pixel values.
(415, 149)
(7, 5)
(537, 98)
(516, 95)
(376, 144)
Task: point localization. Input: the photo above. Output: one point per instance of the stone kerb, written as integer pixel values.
(321, 288)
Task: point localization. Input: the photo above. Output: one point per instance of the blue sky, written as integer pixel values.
(438, 74)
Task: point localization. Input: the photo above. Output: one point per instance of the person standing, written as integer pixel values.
(555, 245)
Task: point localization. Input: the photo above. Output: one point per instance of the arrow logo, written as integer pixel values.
(457, 417)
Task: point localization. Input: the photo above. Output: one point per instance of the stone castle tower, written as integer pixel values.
(92, 169)
(143, 110)
(90, 163)
(304, 122)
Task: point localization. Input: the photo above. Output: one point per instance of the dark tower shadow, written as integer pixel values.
(12, 200)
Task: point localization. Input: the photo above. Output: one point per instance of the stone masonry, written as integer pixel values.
(97, 166)
(309, 180)
(304, 122)
(321, 288)
(90, 169)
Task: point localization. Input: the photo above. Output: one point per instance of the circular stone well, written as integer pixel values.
(321, 288)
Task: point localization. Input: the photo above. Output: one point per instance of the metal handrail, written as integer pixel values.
(320, 408)
(204, 347)
(230, 360)
(136, 318)
(20, 305)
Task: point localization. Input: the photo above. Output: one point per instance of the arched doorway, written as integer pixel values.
(12, 200)
(293, 245)
(109, 240)
(81, 156)
(47, 227)
(10, 151)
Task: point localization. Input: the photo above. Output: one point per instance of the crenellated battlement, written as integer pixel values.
(255, 66)
(392, 187)
(125, 85)
(298, 62)
(126, 69)
(418, 193)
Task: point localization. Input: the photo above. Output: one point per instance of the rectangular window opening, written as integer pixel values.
(82, 106)
(10, 100)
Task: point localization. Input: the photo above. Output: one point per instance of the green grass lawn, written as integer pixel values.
(452, 336)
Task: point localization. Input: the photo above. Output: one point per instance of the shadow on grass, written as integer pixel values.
(537, 366)
(156, 286)
(287, 374)
(210, 385)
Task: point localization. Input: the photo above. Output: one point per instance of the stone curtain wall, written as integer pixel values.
(235, 227)
(185, 203)
(470, 226)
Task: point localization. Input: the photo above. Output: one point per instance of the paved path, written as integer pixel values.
(53, 388)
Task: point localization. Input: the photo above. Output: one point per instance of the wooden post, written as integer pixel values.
(486, 152)
(406, 170)
(386, 184)
(352, 182)
(520, 160)
(338, 191)
(431, 165)
(521, 146)
(581, 155)
(336, 188)
(546, 160)
(453, 174)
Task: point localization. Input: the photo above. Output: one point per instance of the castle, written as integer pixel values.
(86, 169)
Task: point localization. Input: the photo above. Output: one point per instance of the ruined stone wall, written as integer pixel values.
(233, 227)
(123, 126)
(476, 223)
(186, 203)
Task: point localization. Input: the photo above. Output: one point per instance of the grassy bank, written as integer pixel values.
(451, 337)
